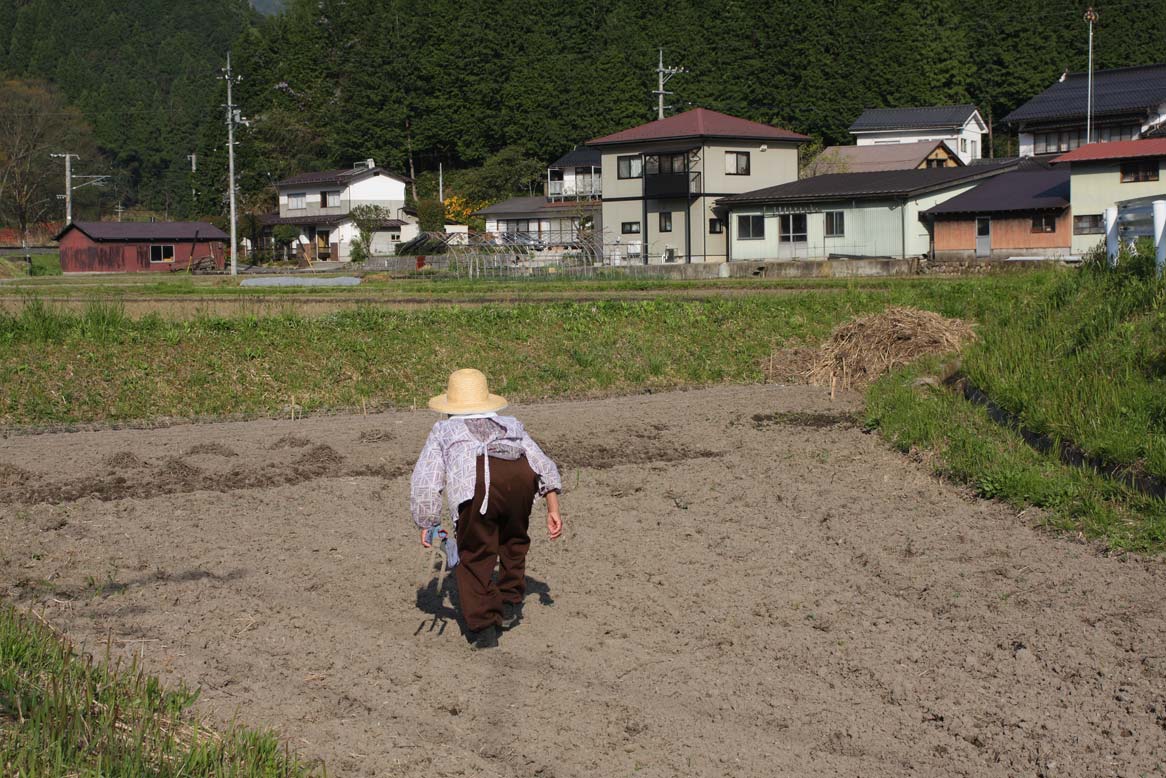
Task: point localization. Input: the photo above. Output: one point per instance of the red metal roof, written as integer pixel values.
(1124, 149)
(698, 123)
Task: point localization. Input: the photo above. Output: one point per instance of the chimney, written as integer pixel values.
(371, 163)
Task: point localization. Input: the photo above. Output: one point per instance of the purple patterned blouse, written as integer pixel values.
(448, 463)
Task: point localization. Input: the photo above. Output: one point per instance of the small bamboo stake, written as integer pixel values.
(833, 385)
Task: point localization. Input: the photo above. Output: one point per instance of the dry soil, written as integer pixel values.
(749, 585)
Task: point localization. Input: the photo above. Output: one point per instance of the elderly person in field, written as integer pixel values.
(490, 471)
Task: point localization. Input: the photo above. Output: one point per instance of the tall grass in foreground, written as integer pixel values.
(65, 715)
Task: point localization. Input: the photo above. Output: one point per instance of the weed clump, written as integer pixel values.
(861, 351)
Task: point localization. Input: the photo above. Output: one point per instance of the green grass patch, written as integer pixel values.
(98, 364)
(1085, 361)
(45, 265)
(963, 444)
(62, 714)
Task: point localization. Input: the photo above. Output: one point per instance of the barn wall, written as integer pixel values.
(79, 254)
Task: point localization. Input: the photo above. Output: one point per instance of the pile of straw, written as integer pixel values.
(860, 351)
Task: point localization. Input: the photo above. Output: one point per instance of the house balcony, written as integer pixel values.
(662, 186)
(578, 189)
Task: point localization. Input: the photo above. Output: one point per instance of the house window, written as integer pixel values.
(963, 145)
(1044, 222)
(329, 199)
(1089, 224)
(631, 166)
(161, 253)
(665, 221)
(975, 150)
(629, 228)
(793, 228)
(737, 163)
(835, 224)
(297, 201)
(751, 226)
(1058, 142)
(655, 164)
(716, 226)
(936, 163)
(1139, 170)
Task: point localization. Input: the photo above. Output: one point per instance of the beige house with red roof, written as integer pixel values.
(661, 181)
(1109, 175)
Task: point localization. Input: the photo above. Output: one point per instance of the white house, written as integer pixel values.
(1128, 103)
(319, 204)
(563, 215)
(846, 215)
(960, 126)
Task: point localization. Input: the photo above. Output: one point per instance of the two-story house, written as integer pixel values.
(661, 181)
(567, 210)
(1110, 177)
(1128, 103)
(319, 204)
(960, 126)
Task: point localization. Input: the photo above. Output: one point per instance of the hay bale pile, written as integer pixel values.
(861, 351)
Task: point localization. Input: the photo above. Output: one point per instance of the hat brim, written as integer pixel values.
(493, 402)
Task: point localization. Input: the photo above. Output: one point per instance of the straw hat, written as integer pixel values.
(467, 392)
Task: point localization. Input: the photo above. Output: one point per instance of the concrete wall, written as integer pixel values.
(1096, 186)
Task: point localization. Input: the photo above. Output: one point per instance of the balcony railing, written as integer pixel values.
(579, 189)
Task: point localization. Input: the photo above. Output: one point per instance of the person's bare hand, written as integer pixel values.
(554, 518)
(424, 540)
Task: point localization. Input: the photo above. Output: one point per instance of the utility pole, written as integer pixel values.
(440, 182)
(193, 169)
(1091, 17)
(232, 118)
(663, 76)
(68, 183)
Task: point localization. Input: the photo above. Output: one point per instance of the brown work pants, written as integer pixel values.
(500, 536)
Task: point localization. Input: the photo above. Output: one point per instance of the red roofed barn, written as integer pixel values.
(127, 247)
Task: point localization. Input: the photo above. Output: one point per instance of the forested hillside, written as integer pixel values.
(415, 83)
(142, 73)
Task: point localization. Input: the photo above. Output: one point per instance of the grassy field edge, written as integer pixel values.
(958, 441)
(63, 714)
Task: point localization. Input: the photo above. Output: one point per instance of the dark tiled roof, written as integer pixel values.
(858, 186)
(580, 156)
(929, 118)
(517, 206)
(338, 176)
(1118, 91)
(1020, 190)
(878, 156)
(699, 123)
(143, 231)
(1125, 149)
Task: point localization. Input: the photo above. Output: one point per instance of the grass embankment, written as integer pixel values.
(383, 288)
(64, 715)
(99, 365)
(42, 265)
(1084, 362)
